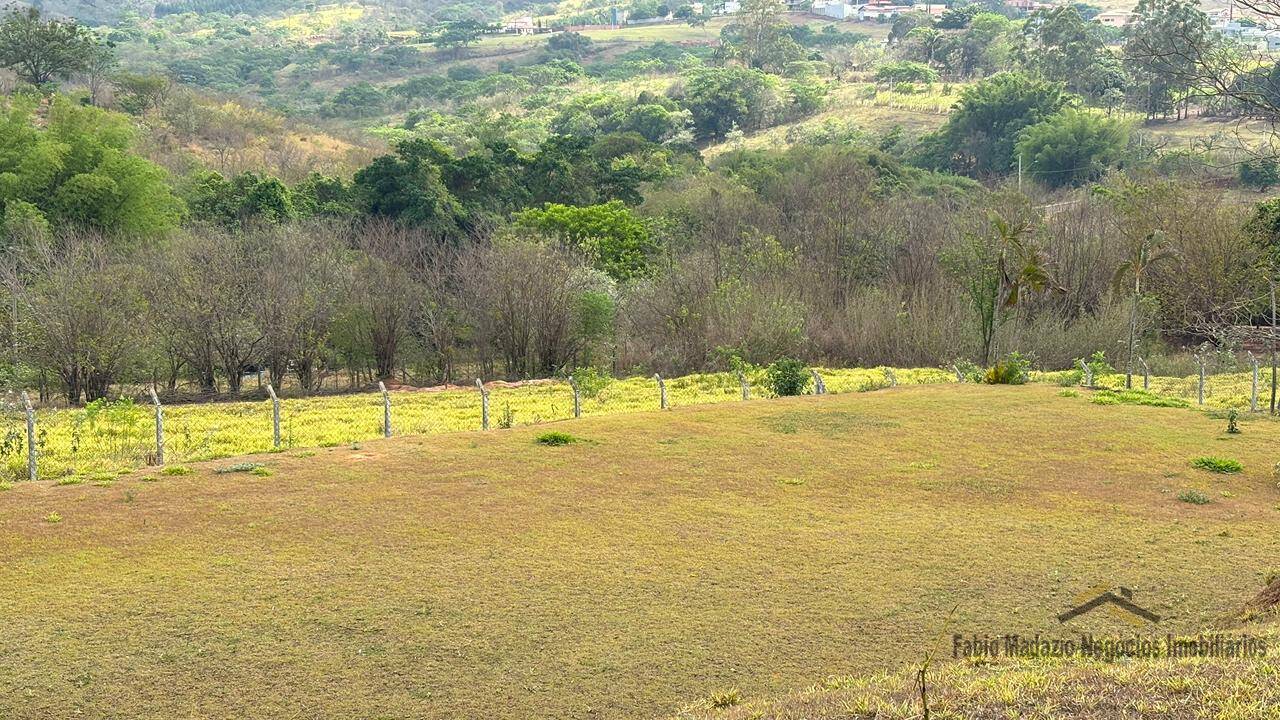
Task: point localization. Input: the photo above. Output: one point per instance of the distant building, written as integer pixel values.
(1115, 18)
(521, 26)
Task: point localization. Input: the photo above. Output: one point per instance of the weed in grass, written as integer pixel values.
(507, 420)
(555, 437)
(148, 478)
(1233, 424)
(792, 481)
(103, 483)
(238, 468)
(53, 517)
(70, 480)
(725, 698)
(1195, 497)
(128, 496)
(262, 471)
(176, 470)
(303, 454)
(1136, 397)
(1068, 393)
(1217, 464)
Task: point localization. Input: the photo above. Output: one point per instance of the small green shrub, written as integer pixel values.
(1217, 464)
(787, 377)
(591, 382)
(555, 438)
(1068, 393)
(243, 467)
(507, 420)
(1233, 424)
(1012, 370)
(725, 698)
(1195, 497)
(262, 471)
(53, 517)
(176, 470)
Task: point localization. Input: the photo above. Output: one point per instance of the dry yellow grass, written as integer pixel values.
(665, 557)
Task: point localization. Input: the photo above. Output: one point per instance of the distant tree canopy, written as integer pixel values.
(1071, 147)
(77, 171)
(980, 133)
(41, 51)
(614, 239)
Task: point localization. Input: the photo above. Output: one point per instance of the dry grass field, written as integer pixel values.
(662, 558)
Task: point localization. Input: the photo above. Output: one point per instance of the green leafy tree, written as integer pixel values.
(722, 98)
(909, 72)
(456, 36)
(41, 51)
(617, 241)
(761, 36)
(1062, 46)
(980, 133)
(996, 269)
(78, 171)
(1071, 147)
(1149, 250)
(408, 186)
(1161, 55)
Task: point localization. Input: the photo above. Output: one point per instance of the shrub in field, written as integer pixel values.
(591, 381)
(244, 467)
(177, 470)
(1012, 370)
(1195, 497)
(725, 698)
(555, 438)
(1217, 464)
(788, 376)
(1233, 424)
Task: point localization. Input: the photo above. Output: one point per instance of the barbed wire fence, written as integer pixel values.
(102, 440)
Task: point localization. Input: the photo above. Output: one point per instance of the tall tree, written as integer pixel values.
(1161, 55)
(1147, 251)
(40, 50)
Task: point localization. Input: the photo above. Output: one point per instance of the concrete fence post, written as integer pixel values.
(484, 405)
(1146, 374)
(31, 436)
(819, 387)
(1253, 393)
(1086, 373)
(386, 409)
(662, 391)
(1200, 385)
(577, 397)
(155, 400)
(275, 416)
(746, 387)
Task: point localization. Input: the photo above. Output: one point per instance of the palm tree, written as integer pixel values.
(1150, 250)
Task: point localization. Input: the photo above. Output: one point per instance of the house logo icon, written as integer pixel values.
(1118, 600)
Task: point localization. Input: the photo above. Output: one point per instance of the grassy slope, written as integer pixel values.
(760, 545)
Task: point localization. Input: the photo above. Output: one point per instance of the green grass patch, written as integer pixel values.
(53, 518)
(262, 471)
(1136, 397)
(1194, 497)
(1217, 464)
(69, 480)
(555, 438)
(243, 467)
(174, 470)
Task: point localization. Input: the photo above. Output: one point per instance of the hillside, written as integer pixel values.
(734, 551)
